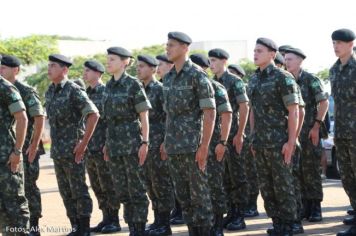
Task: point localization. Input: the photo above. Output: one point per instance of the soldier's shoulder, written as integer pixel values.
(6, 86)
(197, 70)
(24, 88)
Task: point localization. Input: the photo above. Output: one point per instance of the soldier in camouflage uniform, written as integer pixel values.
(217, 148)
(190, 108)
(274, 121)
(14, 212)
(164, 65)
(343, 88)
(126, 112)
(235, 171)
(33, 146)
(97, 168)
(156, 169)
(316, 106)
(67, 105)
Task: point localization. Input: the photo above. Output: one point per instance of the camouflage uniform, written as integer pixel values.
(271, 91)
(98, 170)
(123, 100)
(343, 84)
(235, 170)
(157, 177)
(215, 168)
(31, 170)
(66, 105)
(185, 95)
(14, 210)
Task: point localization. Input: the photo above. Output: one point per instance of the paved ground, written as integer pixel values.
(55, 222)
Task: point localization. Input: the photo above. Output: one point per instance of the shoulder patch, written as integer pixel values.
(15, 96)
(289, 81)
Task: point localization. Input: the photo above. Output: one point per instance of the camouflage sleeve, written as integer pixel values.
(288, 90)
(239, 90)
(317, 89)
(13, 100)
(205, 92)
(33, 104)
(140, 99)
(82, 102)
(222, 100)
(300, 97)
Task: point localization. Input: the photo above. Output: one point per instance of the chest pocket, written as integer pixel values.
(267, 93)
(58, 107)
(185, 98)
(117, 105)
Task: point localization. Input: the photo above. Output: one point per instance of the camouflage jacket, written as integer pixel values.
(33, 108)
(157, 117)
(185, 94)
(343, 89)
(312, 92)
(271, 91)
(66, 105)
(222, 105)
(237, 94)
(10, 103)
(97, 141)
(123, 100)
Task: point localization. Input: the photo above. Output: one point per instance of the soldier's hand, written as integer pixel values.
(31, 152)
(163, 152)
(79, 151)
(287, 152)
(142, 153)
(14, 161)
(106, 156)
(314, 136)
(238, 142)
(201, 156)
(219, 151)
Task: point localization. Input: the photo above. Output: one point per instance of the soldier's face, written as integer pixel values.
(293, 62)
(114, 63)
(163, 68)
(342, 48)
(90, 76)
(55, 71)
(262, 55)
(144, 71)
(217, 65)
(175, 50)
(8, 72)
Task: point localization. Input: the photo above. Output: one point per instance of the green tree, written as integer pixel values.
(249, 68)
(323, 74)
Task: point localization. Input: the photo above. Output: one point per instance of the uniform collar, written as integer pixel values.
(187, 65)
(60, 86)
(93, 90)
(266, 72)
(119, 81)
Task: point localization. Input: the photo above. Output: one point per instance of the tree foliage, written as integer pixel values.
(249, 68)
(323, 74)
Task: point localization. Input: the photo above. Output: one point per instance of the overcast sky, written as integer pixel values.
(305, 24)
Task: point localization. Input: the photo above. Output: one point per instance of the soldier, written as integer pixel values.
(126, 112)
(279, 60)
(33, 146)
(236, 184)
(190, 108)
(158, 181)
(343, 83)
(236, 70)
(97, 168)
(282, 49)
(274, 121)
(215, 166)
(66, 105)
(14, 210)
(316, 106)
(164, 65)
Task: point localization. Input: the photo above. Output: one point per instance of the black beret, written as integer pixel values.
(151, 61)
(200, 59)
(297, 52)
(279, 59)
(268, 43)
(10, 61)
(219, 53)
(344, 35)
(163, 57)
(283, 48)
(180, 36)
(119, 51)
(61, 59)
(95, 66)
(237, 68)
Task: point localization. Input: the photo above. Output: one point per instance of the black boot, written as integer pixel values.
(34, 228)
(131, 229)
(155, 223)
(315, 214)
(75, 227)
(306, 208)
(218, 229)
(227, 219)
(105, 221)
(351, 212)
(204, 230)
(139, 229)
(251, 210)
(114, 225)
(84, 226)
(297, 227)
(351, 220)
(163, 228)
(275, 223)
(238, 220)
(287, 229)
(177, 215)
(193, 231)
(350, 232)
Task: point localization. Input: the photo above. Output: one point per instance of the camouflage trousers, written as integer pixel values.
(346, 156)
(129, 187)
(14, 212)
(215, 171)
(72, 187)
(101, 182)
(191, 189)
(276, 184)
(235, 180)
(32, 192)
(296, 181)
(251, 170)
(311, 183)
(158, 182)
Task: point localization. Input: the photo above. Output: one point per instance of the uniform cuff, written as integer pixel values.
(321, 96)
(226, 107)
(16, 107)
(143, 106)
(35, 111)
(207, 103)
(290, 99)
(242, 98)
